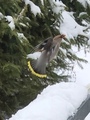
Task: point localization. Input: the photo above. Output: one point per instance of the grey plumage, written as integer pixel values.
(49, 49)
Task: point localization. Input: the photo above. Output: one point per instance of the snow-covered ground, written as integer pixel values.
(56, 102)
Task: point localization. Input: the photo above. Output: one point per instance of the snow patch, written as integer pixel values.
(34, 8)
(57, 6)
(42, 2)
(34, 55)
(63, 51)
(21, 36)
(22, 24)
(61, 99)
(11, 22)
(87, 117)
(70, 27)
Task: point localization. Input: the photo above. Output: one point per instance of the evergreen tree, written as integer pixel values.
(21, 29)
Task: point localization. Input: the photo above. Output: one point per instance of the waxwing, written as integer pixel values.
(49, 49)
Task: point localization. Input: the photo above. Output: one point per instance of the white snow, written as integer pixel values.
(34, 8)
(21, 37)
(42, 2)
(70, 27)
(11, 22)
(83, 75)
(57, 6)
(22, 24)
(34, 55)
(88, 117)
(82, 13)
(56, 102)
(63, 51)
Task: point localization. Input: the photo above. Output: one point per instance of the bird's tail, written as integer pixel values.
(38, 71)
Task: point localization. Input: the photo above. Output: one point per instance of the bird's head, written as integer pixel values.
(59, 37)
(62, 36)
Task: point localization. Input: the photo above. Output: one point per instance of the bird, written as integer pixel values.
(49, 49)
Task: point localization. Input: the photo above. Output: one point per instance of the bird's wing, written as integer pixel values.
(45, 45)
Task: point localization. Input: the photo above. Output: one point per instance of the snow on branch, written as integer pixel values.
(34, 8)
(68, 25)
(11, 22)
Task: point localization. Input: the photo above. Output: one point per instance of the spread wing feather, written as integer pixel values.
(45, 45)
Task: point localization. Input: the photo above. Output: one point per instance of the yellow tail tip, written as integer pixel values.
(34, 73)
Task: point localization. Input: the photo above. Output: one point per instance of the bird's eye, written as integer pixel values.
(55, 0)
